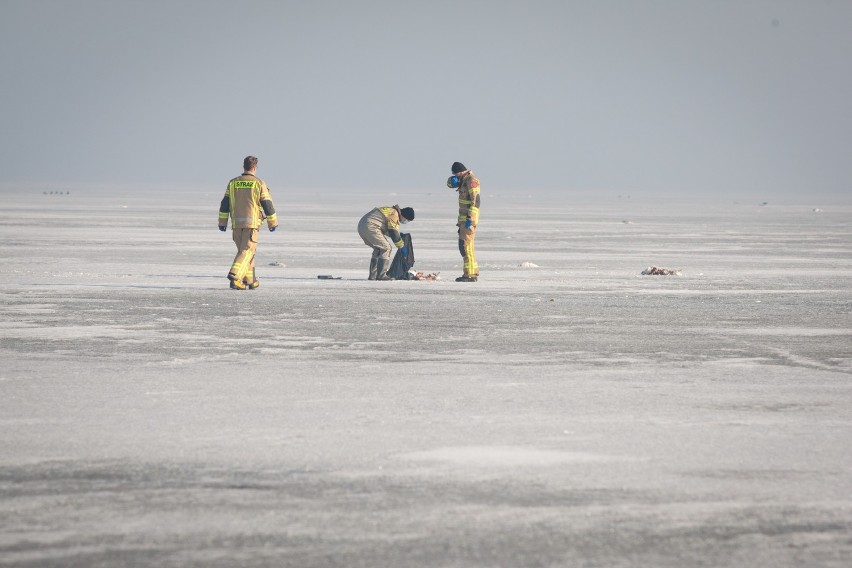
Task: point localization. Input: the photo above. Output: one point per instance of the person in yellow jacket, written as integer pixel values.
(374, 227)
(247, 202)
(467, 185)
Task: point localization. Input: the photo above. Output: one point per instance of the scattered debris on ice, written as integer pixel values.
(278, 263)
(817, 210)
(528, 265)
(423, 276)
(627, 221)
(658, 271)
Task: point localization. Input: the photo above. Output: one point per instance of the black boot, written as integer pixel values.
(382, 270)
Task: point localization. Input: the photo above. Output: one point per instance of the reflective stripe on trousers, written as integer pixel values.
(466, 239)
(246, 241)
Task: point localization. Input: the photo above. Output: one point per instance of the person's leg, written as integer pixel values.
(384, 253)
(471, 266)
(371, 234)
(250, 279)
(246, 241)
(466, 248)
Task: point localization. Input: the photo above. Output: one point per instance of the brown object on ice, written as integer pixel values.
(657, 271)
(422, 276)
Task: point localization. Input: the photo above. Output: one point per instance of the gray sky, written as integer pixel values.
(677, 96)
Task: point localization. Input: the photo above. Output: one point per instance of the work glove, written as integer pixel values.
(223, 227)
(468, 224)
(404, 251)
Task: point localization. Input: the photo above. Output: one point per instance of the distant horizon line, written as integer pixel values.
(811, 198)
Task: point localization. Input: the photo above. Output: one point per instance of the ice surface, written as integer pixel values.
(577, 414)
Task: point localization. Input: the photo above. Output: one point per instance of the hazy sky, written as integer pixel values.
(678, 96)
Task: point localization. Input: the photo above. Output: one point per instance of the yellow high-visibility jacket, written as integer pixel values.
(247, 201)
(468, 198)
(391, 224)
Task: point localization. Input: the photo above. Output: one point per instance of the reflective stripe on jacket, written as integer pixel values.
(468, 198)
(247, 202)
(388, 219)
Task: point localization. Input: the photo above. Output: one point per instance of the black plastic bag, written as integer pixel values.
(402, 264)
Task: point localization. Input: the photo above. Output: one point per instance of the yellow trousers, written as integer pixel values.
(243, 267)
(466, 238)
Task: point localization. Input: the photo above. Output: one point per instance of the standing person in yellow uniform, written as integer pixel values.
(374, 227)
(247, 202)
(467, 185)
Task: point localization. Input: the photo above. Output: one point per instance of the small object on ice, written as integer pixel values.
(764, 203)
(278, 263)
(627, 222)
(421, 276)
(528, 265)
(329, 277)
(657, 271)
(817, 210)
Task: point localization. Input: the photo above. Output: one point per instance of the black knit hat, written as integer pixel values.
(458, 167)
(408, 213)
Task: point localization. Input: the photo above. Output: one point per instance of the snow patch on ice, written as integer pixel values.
(72, 332)
(787, 331)
(508, 456)
(528, 265)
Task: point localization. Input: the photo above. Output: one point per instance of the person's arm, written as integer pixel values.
(224, 211)
(392, 215)
(473, 210)
(395, 236)
(268, 208)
